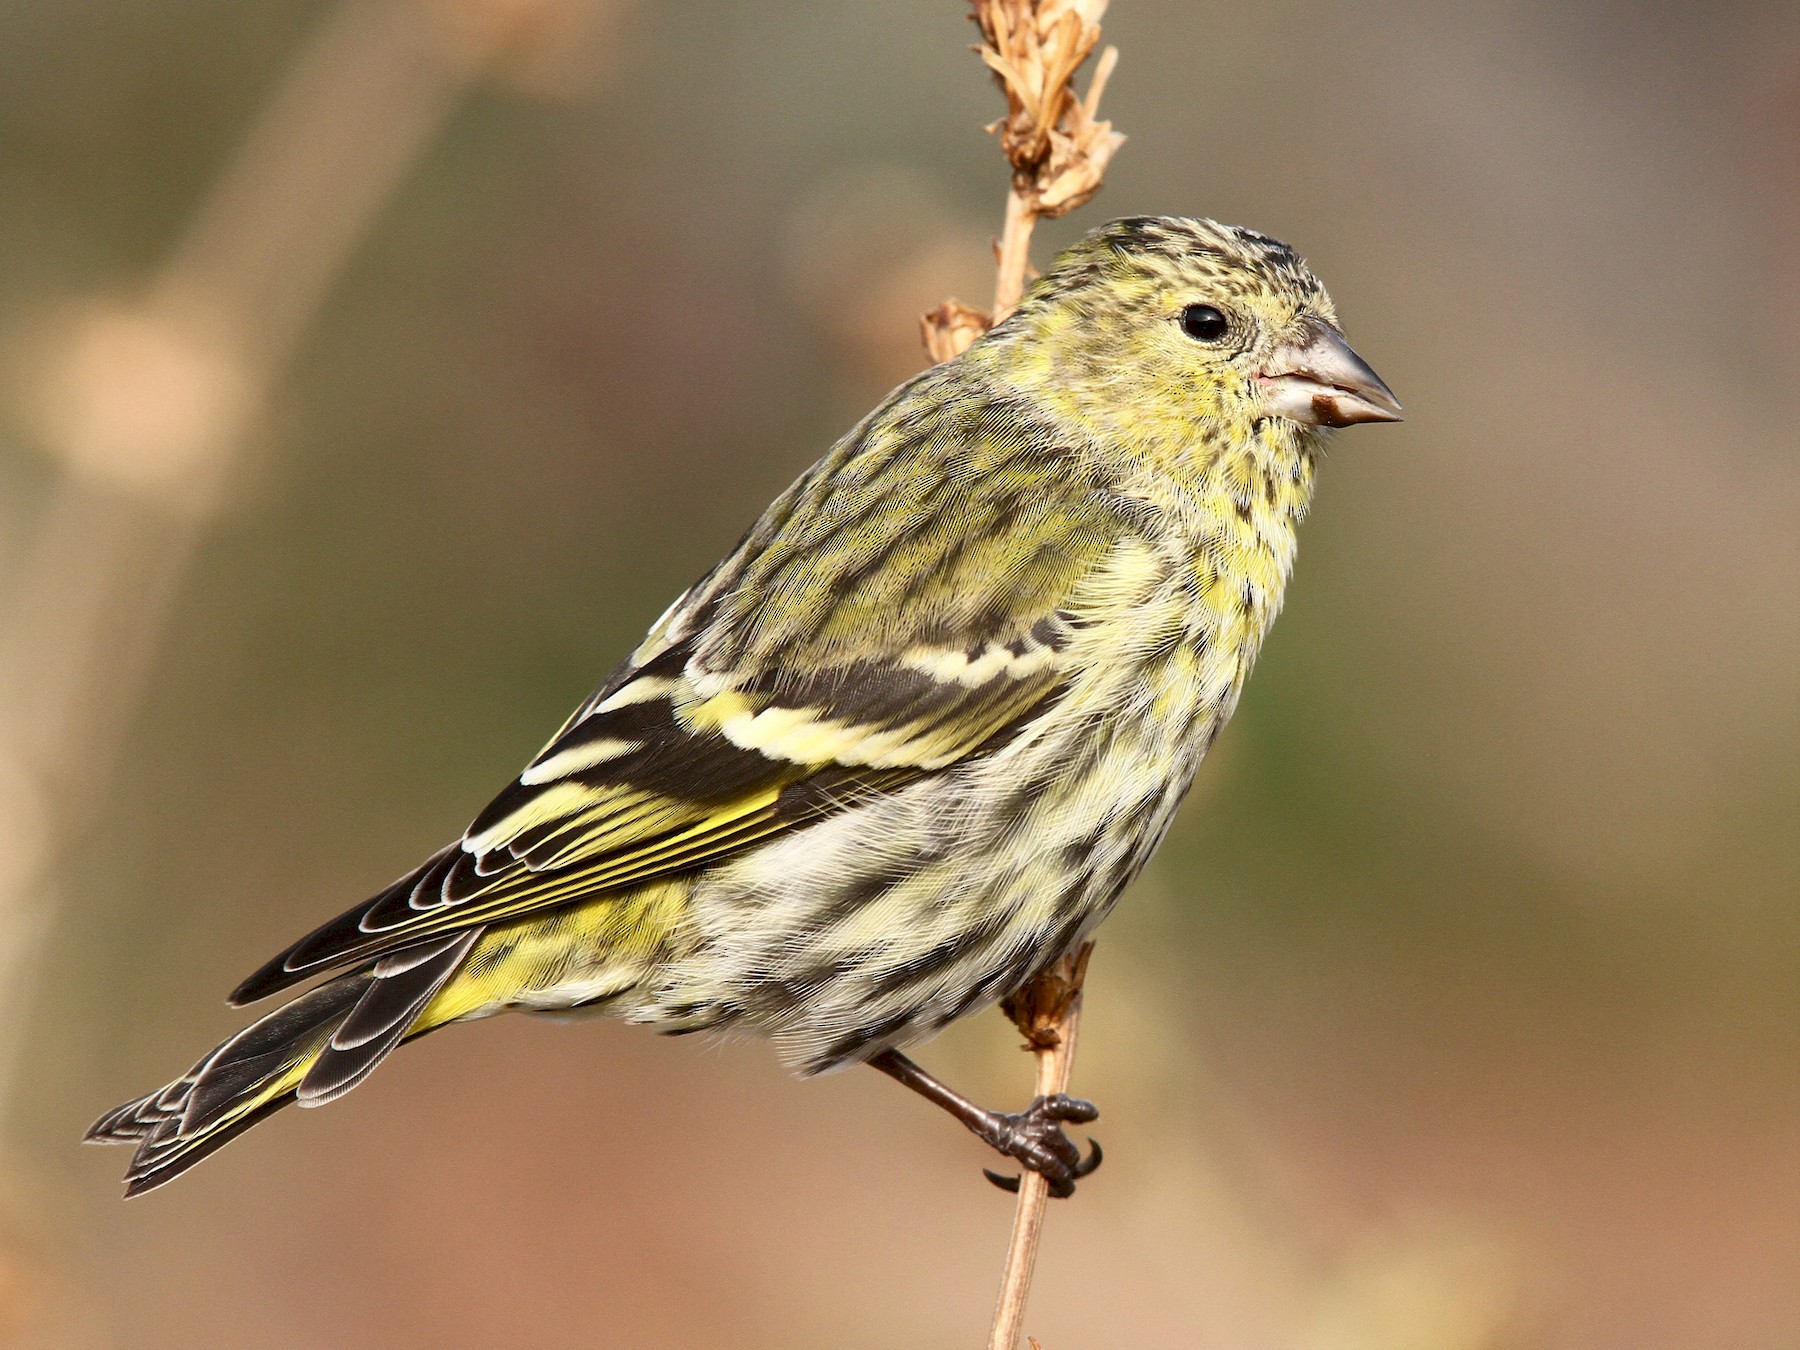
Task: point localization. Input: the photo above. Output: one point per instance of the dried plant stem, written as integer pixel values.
(1049, 1012)
(1056, 144)
(1058, 150)
(1013, 255)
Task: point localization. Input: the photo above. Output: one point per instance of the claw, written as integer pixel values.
(1084, 1167)
(1035, 1138)
(1072, 1109)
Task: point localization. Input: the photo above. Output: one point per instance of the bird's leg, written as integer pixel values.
(1033, 1136)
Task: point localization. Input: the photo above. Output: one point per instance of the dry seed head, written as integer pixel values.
(1056, 143)
(1057, 146)
(950, 328)
(1080, 149)
(1041, 1007)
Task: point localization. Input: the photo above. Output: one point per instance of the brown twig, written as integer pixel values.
(1048, 1013)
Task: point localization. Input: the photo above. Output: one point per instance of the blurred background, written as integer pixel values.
(372, 372)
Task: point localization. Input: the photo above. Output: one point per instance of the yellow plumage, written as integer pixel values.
(907, 744)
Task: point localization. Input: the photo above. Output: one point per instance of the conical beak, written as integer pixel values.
(1320, 381)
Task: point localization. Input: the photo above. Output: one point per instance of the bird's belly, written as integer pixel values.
(876, 927)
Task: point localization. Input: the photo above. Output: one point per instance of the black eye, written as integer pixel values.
(1203, 323)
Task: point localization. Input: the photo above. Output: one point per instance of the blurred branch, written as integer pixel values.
(1054, 141)
(148, 403)
(1058, 149)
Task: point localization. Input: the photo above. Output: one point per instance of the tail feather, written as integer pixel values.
(138, 1118)
(315, 1048)
(388, 1010)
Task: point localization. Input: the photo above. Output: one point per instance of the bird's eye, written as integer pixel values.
(1204, 323)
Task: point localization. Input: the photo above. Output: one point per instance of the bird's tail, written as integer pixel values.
(310, 1050)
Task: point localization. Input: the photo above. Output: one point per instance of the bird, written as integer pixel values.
(904, 747)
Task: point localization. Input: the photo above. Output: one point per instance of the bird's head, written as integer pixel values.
(1164, 327)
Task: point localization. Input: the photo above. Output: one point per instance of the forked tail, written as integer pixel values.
(312, 1050)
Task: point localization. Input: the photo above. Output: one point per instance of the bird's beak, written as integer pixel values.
(1317, 379)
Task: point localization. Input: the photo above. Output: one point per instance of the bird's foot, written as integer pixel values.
(1035, 1138)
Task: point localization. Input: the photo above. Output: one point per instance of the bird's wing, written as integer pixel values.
(822, 663)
